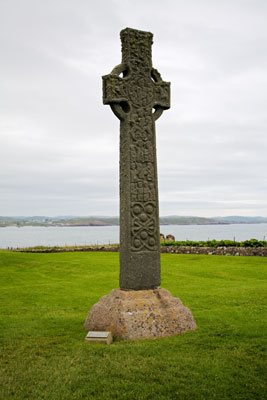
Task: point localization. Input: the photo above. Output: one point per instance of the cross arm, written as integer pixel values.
(114, 91)
(161, 94)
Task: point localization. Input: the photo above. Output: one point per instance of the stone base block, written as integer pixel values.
(140, 314)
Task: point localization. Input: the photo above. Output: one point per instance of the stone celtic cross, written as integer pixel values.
(137, 96)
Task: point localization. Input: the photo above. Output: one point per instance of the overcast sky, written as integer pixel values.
(59, 145)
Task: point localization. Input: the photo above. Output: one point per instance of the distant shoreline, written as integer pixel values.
(21, 225)
(105, 221)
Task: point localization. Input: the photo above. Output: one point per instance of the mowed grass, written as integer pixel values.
(45, 299)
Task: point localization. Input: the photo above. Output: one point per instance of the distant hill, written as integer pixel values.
(176, 220)
(242, 220)
(59, 221)
(109, 221)
(89, 221)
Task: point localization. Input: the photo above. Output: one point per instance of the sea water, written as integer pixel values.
(89, 235)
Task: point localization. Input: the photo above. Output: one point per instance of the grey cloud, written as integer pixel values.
(60, 146)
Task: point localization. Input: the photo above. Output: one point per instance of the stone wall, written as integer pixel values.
(222, 251)
(69, 250)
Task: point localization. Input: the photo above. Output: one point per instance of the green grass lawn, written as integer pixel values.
(45, 299)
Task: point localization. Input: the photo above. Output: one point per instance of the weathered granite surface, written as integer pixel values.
(137, 95)
(140, 314)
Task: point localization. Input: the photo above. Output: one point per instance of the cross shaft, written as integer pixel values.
(137, 98)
